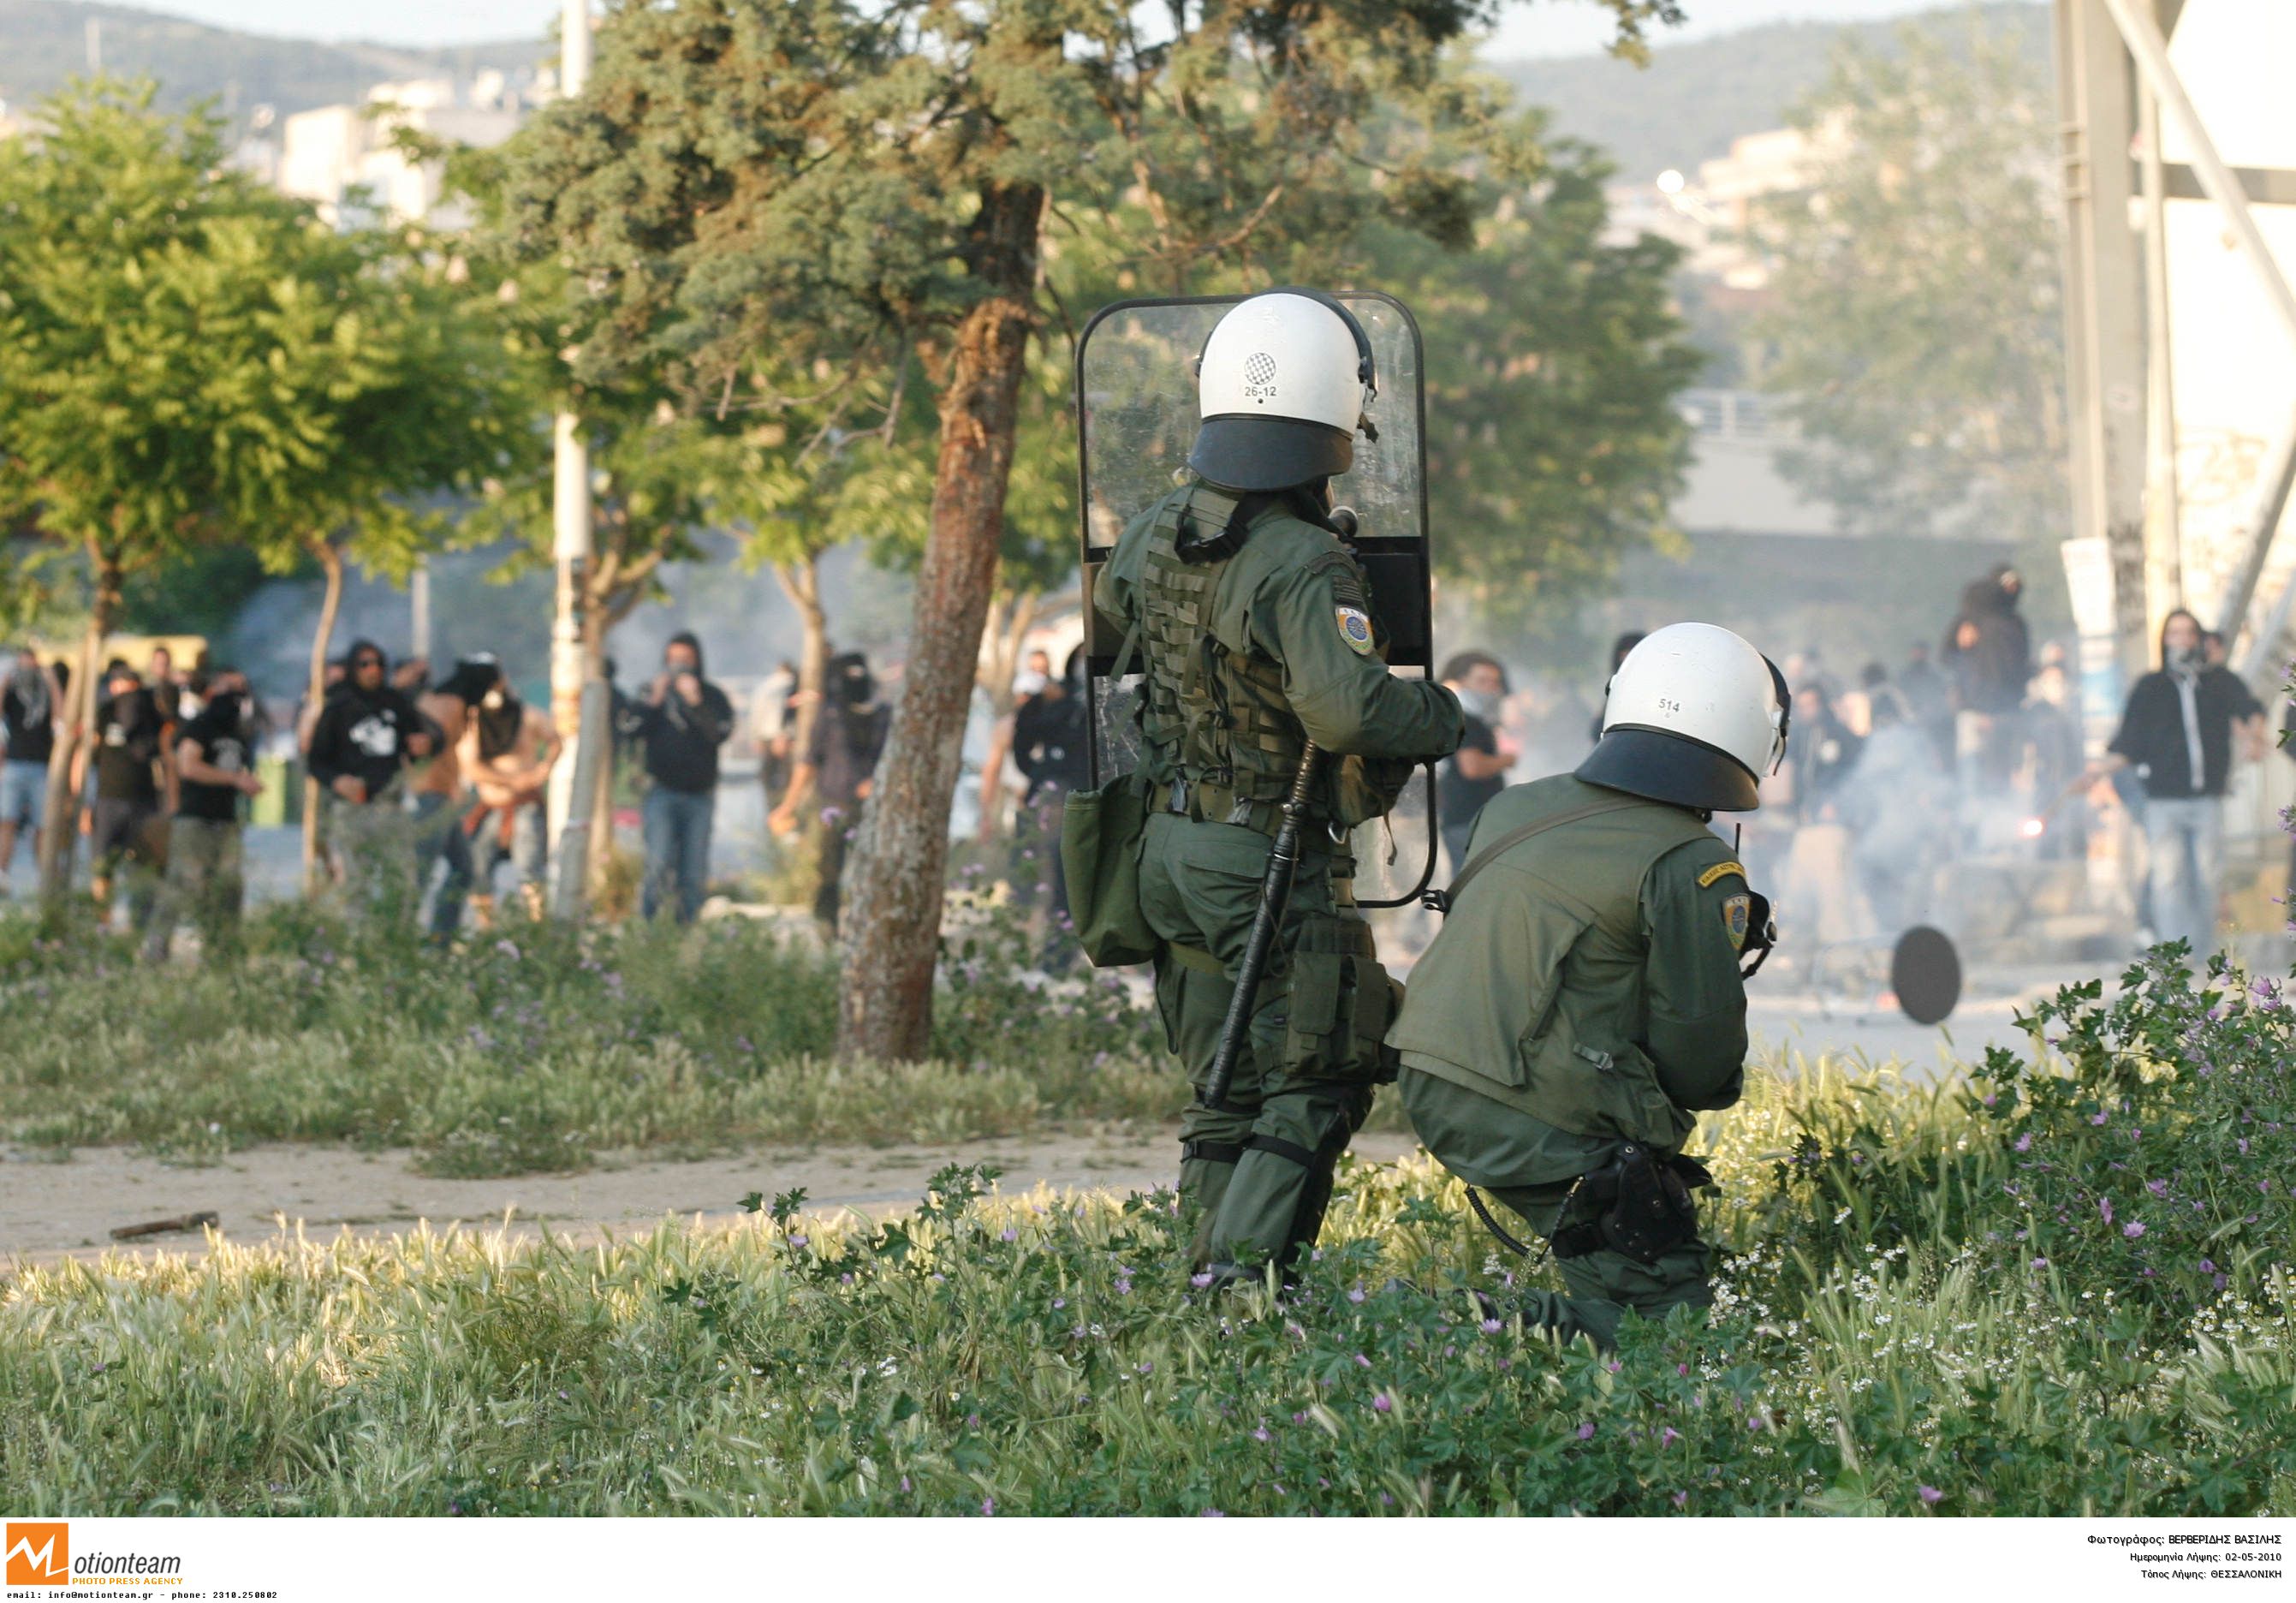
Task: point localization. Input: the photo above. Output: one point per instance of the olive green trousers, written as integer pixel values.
(1257, 1170)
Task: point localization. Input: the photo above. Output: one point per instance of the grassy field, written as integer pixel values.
(538, 1050)
(2053, 1286)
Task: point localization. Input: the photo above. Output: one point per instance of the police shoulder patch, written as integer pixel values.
(1737, 914)
(1355, 628)
(1719, 871)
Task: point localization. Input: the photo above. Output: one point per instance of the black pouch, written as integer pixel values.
(1638, 1206)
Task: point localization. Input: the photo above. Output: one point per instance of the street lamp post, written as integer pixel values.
(572, 781)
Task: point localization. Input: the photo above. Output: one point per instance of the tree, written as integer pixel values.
(132, 411)
(1553, 361)
(852, 188)
(1918, 339)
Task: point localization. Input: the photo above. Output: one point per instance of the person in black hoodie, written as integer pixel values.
(1988, 656)
(365, 736)
(681, 722)
(837, 770)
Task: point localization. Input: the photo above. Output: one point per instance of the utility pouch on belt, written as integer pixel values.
(1100, 835)
(1339, 1004)
(1638, 1204)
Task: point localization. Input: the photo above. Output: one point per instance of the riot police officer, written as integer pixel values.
(1584, 1000)
(1253, 631)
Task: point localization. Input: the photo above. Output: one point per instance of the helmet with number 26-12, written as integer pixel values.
(1281, 389)
(1695, 716)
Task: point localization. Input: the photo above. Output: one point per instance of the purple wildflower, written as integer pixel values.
(1931, 1495)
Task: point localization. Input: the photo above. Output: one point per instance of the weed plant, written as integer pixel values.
(537, 1048)
(2061, 1283)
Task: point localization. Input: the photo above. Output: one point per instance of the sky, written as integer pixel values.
(1548, 27)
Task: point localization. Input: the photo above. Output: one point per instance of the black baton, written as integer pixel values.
(1267, 923)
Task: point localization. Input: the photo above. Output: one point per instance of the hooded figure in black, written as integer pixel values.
(836, 771)
(1989, 652)
(368, 731)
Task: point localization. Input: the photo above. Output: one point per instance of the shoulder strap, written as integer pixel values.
(1124, 652)
(1444, 901)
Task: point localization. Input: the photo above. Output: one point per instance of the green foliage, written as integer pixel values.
(537, 1049)
(1922, 1304)
(187, 358)
(1916, 332)
(133, 273)
(1881, 1342)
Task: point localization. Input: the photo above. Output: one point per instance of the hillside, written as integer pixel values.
(45, 42)
(1687, 105)
(1695, 97)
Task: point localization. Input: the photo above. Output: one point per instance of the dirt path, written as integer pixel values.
(51, 1210)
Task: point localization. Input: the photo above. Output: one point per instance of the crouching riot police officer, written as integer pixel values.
(1584, 997)
(1252, 628)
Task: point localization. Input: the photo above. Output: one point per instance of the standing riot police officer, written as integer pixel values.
(1584, 998)
(1253, 631)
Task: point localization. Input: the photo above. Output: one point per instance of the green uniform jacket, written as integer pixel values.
(1584, 991)
(1280, 599)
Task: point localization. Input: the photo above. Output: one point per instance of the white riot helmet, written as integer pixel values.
(1694, 716)
(1280, 388)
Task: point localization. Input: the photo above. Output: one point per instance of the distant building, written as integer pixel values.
(1713, 214)
(343, 159)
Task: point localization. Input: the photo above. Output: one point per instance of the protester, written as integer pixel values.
(849, 736)
(160, 679)
(2176, 733)
(1819, 756)
(214, 755)
(509, 747)
(1989, 657)
(438, 790)
(364, 737)
(127, 826)
(681, 722)
(773, 725)
(2054, 735)
(29, 704)
(1052, 746)
(1477, 771)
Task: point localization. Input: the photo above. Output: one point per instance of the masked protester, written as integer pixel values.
(1584, 1000)
(1052, 746)
(2177, 732)
(367, 735)
(508, 750)
(215, 762)
(835, 774)
(1477, 770)
(126, 827)
(680, 722)
(438, 789)
(28, 731)
(1250, 619)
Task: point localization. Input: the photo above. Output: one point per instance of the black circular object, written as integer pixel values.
(1925, 972)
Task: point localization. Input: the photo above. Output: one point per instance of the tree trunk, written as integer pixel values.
(801, 583)
(76, 720)
(895, 889)
(331, 605)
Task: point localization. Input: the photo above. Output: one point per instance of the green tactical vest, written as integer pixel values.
(1215, 713)
(1532, 995)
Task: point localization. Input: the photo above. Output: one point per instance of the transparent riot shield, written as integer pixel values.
(1136, 390)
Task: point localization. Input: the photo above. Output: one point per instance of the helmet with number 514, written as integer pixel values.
(1695, 716)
